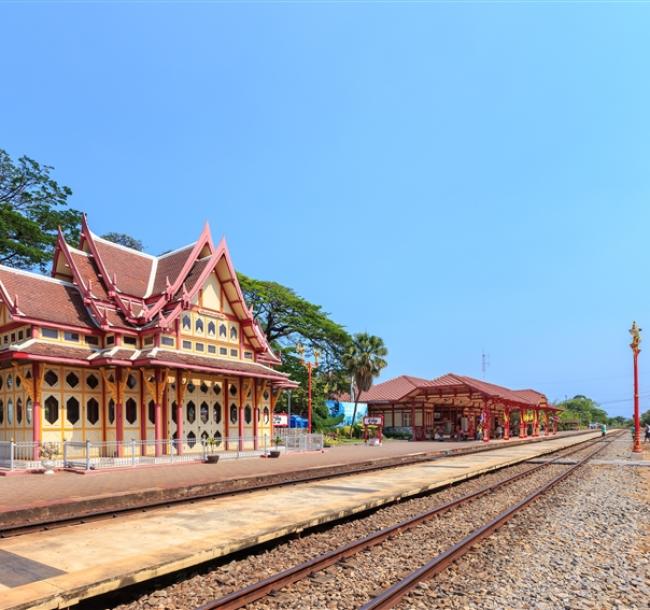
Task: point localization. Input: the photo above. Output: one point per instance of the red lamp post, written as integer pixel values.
(310, 366)
(635, 331)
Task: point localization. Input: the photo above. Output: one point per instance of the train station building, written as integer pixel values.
(459, 407)
(120, 346)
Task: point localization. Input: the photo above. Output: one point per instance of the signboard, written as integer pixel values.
(377, 420)
(281, 420)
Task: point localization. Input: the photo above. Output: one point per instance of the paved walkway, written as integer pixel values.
(49, 569)
(26, 491)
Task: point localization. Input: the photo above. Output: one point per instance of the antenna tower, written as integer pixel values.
(485, 362)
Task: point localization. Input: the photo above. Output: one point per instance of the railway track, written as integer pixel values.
(13, 530)
(303, 572)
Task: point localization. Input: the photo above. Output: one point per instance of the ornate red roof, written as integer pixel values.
(391, 390)
(403, 388)
(105, 286)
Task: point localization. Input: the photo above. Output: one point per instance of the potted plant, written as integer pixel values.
(275, 453)
(212, 457)
(47, 453)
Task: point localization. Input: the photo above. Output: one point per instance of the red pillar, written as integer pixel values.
(522, 423)
(413, 423)
(555, 424)
(506, 423)
(486, 421)
(255, 414)
(165, 417)
(157, 426)
(547, 431)
(119, 410)
(240, 420)
(309, 397)
(636, 447)
(179, 412)
(36, 410)
(535, 422)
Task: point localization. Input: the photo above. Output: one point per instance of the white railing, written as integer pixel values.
(91, 455)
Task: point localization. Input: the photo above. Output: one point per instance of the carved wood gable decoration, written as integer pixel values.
(156, 383)
(115, 389)
(260, 391)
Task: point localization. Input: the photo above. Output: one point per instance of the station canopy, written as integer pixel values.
(452, 389)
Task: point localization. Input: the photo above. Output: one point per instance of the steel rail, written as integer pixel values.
(262, 588)
(13, 530)
(391, 596)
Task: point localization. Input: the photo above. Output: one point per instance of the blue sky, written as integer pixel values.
(452, 177)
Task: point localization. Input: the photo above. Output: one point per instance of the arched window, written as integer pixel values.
(233, 413)
(191, 439)
(151, 411)
(212, 329)
(248, 414)
(187, 322)
(174, 412)
(233, 333)
(198, 326)
(10, 411)
(29, 410)
(72, 410)
(51, 411)
(191, 412)
(266, 415)
(216, 412)
(92, 411)
(10, 382)
(131, 412)
(111, 411)
(223, 330)
(204, 412)
(2, 411)
(217, 438)
(19, 411)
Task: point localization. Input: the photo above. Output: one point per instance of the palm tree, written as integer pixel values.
(364, 360)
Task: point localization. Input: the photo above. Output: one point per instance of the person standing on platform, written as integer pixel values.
(603, 429)
(647, 433)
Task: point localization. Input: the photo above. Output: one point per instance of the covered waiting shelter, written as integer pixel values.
(460, 406)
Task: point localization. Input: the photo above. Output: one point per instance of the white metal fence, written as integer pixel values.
(91, 455)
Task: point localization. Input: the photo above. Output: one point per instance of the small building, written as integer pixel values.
(119, 346)
(456, 406)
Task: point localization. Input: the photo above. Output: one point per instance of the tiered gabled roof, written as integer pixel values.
(392, 390)
(405, 388)
(106, 286)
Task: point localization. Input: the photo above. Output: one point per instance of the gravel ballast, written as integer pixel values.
(344, 585)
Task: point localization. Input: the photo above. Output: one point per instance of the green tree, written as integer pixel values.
(364, 360)
(645, 418)
(286, 318)
(124, 240)
(32, 208)
(582, 409)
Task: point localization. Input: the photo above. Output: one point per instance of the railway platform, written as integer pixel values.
(56, 568)
(33, 498)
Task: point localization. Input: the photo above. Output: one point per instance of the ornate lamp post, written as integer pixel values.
(635, 331)
(309, 365)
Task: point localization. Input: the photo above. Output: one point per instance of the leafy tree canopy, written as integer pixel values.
(581, 408)
(286, 319)
(32, 207)
(124, 240)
